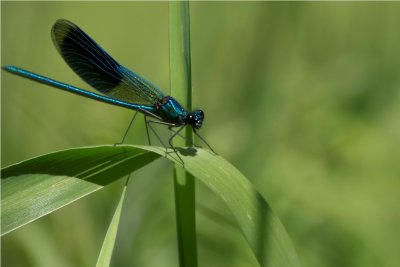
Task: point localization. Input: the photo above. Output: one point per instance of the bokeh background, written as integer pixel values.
(303, 98)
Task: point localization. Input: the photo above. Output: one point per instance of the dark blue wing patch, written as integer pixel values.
(85, 56)
(99, 69)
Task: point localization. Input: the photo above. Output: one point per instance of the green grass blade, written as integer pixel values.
(181, 88)
(38, 186)
(261, 227)
(41, 185)
(107, 248)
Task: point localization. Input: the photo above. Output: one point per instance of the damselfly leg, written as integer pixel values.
(127, 130)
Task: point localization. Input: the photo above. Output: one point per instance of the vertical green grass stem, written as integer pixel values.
(181, 89)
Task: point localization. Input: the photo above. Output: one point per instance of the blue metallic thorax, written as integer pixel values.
(171, 111)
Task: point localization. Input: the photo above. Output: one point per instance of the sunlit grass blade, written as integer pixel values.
(41, 185)
(261, 227)
(107, 248)
(38, 186)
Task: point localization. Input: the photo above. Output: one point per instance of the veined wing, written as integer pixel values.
(98, 68)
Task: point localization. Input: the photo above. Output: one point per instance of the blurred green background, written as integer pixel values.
(303, 98)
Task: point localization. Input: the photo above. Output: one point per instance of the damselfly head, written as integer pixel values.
(195, 119)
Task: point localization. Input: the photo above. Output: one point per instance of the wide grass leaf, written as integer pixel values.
(41, 185)
(261, 227)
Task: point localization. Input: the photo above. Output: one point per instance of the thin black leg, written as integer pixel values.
(204, 141)
(177, 133)
(154, 131)
(170, 141)
(127, 130)
(147, 130)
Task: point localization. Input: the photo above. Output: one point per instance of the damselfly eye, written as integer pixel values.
(196, 119)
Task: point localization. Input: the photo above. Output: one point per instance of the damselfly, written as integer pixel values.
(120, 86)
